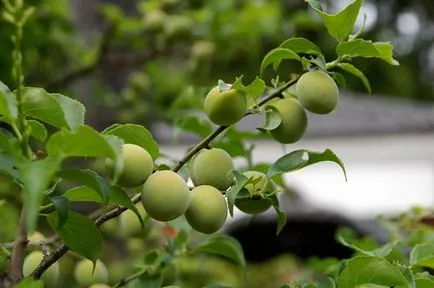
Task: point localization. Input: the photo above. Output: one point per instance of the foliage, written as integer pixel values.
(44, 134)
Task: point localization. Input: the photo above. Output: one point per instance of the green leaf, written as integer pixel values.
(299, 159)
(36, 177)
(373, 270)
(135, 134)
(356, 72)
(367, 49)
(272, 119)
(341, 24)
(8, 103)
(301, 45)
(30, 282)
(339, 79)
(217, 286)
(424, 280)
(423, 255)
(382, 252)
(223, 245)
(254, 89)
(119, 196)
(193, 124)
(38, 130)
(54, 109)
(386, 52)
(89, 178)
(61, 203)
(9, 144)
(83, 194)
(281, 216)
(231, 195)
(84, 142)
(8, 165)
(79, 234)
(150, 280)
(276, 55)
(327, 283)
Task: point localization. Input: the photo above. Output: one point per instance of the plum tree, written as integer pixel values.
(317, 92)
(138, 165)
(32, 260)
(260, 187)
(83, 273)
(212, 167)
(294, 121)
(225, 107)
(208, 210)
(165, 195)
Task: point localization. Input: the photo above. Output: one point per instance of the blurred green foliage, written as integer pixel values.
(156, 51)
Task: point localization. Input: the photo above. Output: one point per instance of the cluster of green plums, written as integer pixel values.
(315, 91)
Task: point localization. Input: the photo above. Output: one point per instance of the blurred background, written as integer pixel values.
(147, 61)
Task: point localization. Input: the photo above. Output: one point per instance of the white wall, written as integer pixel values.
(386, 174)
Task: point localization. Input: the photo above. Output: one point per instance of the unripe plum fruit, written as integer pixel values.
(256, 204)
(99, 285)
(36, 237)
(208, 210)
(294, 121)
(50, 276)
(226, 107)
(212, 167)
(317, 92)
(83, 273)
(165, 195)
(138, 165)
(130, 223)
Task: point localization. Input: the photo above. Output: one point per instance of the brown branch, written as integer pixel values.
(17, 257)
(116, 211)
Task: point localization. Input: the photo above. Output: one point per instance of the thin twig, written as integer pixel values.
(130, 278)
(116, 211)
(17, 256)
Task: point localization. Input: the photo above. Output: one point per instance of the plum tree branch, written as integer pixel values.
(116, 211)
(130, 278)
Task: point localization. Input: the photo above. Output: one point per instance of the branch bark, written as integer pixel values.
(116, 211)
(17, 258)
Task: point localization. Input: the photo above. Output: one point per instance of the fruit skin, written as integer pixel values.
(129, 222)
(212, 167)
(294, 121)
(256, 204)
(317, 92)
(32, 260)
(83, 273)
(99, 285)
(208, 210)
(165, 195)
(225, 108)
(36, 237)
(138, 165)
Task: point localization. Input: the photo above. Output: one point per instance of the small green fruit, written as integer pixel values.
(317, 92)
(165, 195)
(208, 210)
(226, 107)
(36, 237)
(154, 21)
(130, 223)
(256, 204)
(212, 167)
(138, 165)
(294, 121)
(203, 49)
(83, 273)
(99, 285)
(50, 276)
